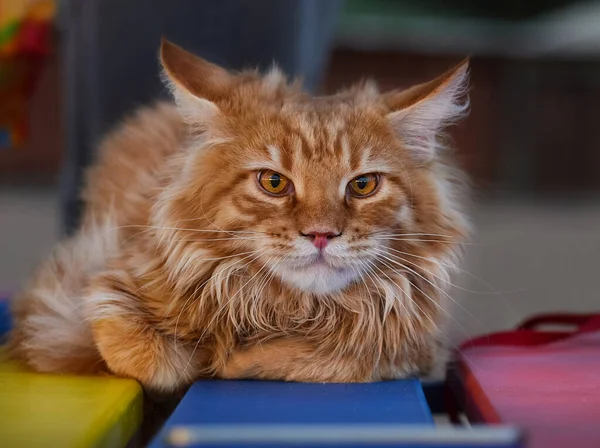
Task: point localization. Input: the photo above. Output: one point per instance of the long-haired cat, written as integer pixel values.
(252, 231)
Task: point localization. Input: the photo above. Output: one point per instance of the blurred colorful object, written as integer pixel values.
(25, 42)
(5, 317)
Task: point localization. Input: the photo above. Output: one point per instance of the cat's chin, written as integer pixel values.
(318, 278)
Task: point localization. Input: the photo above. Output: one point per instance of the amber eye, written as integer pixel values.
(364, 185)
(274, 182)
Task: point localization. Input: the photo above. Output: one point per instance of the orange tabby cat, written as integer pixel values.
(252, 231)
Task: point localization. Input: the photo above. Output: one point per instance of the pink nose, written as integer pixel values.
(321, 239)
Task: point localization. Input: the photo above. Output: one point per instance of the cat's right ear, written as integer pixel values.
(196, 84)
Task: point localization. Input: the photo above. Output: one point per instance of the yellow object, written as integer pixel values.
(11, 10)
(42, 410)
(43, 10)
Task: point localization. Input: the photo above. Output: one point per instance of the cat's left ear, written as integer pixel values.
(196, 84)
(420, 113)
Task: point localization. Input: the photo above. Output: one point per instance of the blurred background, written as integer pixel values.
(70, 69)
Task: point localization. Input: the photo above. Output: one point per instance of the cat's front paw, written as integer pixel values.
(159, 363)
(293, 361)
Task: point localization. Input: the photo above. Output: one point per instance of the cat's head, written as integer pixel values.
(319, 191)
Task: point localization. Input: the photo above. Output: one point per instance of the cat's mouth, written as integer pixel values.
(318, 274)
(321, 264)
(319, 260)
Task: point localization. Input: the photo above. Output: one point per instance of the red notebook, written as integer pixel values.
(547, 383)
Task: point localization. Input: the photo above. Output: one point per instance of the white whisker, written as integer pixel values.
(451, 266)
(440, 307)
(234, 238)
(416, 240)
(386, 233)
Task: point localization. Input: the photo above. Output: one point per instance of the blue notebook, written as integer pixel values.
(263, 408)
(252, 414)
(265, 402)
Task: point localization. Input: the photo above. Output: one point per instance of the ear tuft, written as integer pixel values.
(368, 92)
(420, 114)
(274, 79)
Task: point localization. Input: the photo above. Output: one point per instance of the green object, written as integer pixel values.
(44, 410)
(9, 32)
